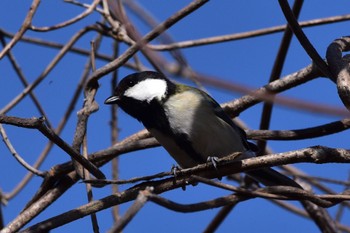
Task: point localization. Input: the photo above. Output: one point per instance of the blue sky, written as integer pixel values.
(247, 62)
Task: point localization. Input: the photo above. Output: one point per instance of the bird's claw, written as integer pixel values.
(214, 160)
(174, 170)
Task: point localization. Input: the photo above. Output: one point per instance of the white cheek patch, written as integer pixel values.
(147, 90)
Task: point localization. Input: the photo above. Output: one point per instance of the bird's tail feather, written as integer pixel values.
(270, 177)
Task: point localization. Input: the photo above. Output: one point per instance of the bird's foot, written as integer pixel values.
(175, 169)
(214, 160)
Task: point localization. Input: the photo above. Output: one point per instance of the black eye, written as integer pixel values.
(131, 83)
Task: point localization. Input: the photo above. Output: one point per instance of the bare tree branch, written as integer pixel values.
(123, 38)
(25, 26)
(308, 47)
(151, 35)
(38, 123)
(68, 22)
(16, 155)
(339, 67)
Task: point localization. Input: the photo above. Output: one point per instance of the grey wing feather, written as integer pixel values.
(219, 112)
(266, 176)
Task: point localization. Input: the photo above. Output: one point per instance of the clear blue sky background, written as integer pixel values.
(247, 62)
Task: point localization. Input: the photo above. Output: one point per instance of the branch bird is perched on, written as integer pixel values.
(188, 123)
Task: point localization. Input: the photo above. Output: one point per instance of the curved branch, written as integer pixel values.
(88, 11)
(340, 68)
(309, 49)
(17, 156)
(39, 124)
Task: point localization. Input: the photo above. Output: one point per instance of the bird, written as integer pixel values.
(187, 122)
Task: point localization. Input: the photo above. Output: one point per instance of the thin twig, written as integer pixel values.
(249, 34)
(300, 134)
(88, 11)
(89, 192)
(17, 156)
(25, 26)
(141, 199)
(115, 134)
(219, 218)
(132, 180)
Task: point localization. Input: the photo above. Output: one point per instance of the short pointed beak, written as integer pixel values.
(112, 100)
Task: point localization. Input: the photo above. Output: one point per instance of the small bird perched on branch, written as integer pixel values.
(187, 122)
